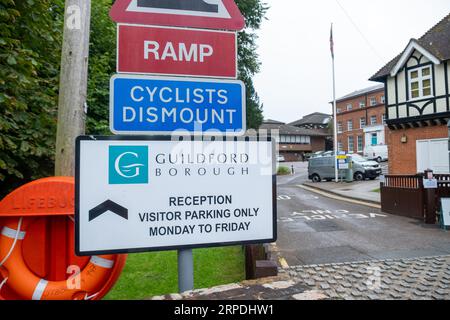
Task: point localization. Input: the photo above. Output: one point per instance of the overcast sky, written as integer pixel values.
(294, 48)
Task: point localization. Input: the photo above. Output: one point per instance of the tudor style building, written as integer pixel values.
(417, 90)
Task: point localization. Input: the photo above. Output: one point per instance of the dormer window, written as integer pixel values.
(420, 80)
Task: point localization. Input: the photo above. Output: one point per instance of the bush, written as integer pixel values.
(283, 171)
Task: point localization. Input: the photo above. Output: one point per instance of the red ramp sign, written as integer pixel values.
(209, 14)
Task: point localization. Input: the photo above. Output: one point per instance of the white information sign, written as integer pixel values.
(136, 195)
(430, 183)
(445, 203)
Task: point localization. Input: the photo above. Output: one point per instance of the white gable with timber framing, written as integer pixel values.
(417, 81)
(419, 87)
(413, 46)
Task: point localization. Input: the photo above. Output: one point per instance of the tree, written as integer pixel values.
(102, 65)
(30, 46)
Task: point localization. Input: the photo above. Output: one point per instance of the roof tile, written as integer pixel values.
(436, 41)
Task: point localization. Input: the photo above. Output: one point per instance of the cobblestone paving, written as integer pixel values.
(419, 279)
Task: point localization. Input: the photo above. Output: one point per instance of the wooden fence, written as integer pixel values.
(406, 196)
(403, 195)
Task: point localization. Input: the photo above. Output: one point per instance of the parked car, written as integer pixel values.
(307, 156)
(322, 168)
(377, 153)
(280, 158)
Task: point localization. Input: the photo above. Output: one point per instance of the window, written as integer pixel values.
(384, 118)
(349, 125)
(420, 83)
(339, 127)
(373, 101)
(349, 107)
(305, 140)
(360, 143)
(340, 146)
(351, 144)
(373, 120)
(362, 104)
(338, 110)
(383, 99)
(362, 123)
(295, 139)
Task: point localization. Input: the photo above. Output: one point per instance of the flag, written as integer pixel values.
(331, 42)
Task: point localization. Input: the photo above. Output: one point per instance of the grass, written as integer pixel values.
(377, 190)
(151, 274)
(283, 171)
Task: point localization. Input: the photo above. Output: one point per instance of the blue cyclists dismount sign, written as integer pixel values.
(157, 105)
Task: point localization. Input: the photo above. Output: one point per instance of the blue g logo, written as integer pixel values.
(128, 164)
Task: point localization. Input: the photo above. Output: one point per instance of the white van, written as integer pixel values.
(377, 153)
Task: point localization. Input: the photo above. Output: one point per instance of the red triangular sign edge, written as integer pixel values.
(119, 14)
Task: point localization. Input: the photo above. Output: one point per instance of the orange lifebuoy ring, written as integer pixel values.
(28, 286)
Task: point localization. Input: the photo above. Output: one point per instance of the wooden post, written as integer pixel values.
(430, 202)
(73, 84)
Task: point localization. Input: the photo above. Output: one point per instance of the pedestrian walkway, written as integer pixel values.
(358, 190)
(403, 279)
(419, 278)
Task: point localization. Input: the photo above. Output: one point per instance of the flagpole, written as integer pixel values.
(336, 172)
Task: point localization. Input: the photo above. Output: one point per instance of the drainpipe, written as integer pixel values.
(448, 126)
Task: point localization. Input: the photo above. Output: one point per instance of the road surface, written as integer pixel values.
(314, 229)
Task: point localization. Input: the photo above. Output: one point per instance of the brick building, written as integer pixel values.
(295, 142)
(361, 119)
(319, 122)
(316, 120)
(417, 85)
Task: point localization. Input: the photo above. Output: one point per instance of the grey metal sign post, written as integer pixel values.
(185, 270)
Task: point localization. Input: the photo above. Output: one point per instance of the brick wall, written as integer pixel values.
(291, 156)
(402, 156)
(317, 144)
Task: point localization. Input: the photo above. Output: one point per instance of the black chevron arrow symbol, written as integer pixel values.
(108, 205)
(192, 5)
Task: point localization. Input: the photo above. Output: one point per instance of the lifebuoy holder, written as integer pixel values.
(37, 256)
